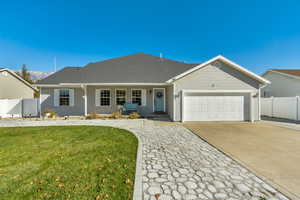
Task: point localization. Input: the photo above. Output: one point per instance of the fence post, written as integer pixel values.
(297, 108)
(272, 106)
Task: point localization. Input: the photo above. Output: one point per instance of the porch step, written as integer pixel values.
(158, 116)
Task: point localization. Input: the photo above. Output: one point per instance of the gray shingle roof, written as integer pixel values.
(136, 68)
(65, 75)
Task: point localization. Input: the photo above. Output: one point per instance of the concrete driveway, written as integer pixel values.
(271, 151)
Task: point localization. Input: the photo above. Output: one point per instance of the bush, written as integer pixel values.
(49, 113)
(134, 115)
(116, 115)
(92, 115)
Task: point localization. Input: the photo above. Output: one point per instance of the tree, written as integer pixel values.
(27, 77)
(25, 74)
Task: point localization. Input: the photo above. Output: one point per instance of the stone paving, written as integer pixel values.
(176, 164)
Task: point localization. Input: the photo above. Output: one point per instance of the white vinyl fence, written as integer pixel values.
(281, 107)
(19, 107)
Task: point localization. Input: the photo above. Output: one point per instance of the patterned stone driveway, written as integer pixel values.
(176, 164)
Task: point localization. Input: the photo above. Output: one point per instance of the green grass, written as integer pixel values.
(71, 162)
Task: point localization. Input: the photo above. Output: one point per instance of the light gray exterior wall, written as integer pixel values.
(217, 76)
(47, 102)
(47, 96)
(13, 88)
(113, 107)
(281, 86)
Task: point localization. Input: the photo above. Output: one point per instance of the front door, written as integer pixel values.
(159, 99)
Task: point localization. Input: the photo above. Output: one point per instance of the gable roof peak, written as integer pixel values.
(18, 77)
(225, 60)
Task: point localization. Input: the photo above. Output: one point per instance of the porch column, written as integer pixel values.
(85, 99)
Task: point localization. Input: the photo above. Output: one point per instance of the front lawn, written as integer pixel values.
(70, 162)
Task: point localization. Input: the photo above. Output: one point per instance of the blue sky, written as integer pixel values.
(256, 34)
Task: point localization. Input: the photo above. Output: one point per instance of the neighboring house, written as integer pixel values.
(284, 83)
(217, 90)
(12, 86)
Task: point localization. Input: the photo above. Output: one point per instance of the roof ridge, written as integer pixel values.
(151, 69)
(134, 54)
(109, 59)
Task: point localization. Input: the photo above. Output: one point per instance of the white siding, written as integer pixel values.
(281, 86)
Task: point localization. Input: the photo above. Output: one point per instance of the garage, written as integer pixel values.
(214, 106)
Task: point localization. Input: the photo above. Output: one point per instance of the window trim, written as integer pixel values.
(132, 96)
(106, 97)
(69, 97)
(124, 89)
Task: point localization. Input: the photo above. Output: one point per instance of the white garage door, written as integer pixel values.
(213, 108)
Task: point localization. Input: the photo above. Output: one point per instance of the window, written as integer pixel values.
(105, 97)
(120, 97)
(64, 97)
(136, 97)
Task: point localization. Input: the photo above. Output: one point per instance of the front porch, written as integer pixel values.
(149, 100)
(109, 99)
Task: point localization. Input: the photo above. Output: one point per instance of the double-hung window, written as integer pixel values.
(105, 97)
(120, 97)
(64, 97)
(136, 96)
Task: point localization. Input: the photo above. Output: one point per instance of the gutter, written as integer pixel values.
(101, 84)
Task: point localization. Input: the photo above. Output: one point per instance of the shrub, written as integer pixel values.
(116, 115)
(134, 115)
(49, 113)
(92, 115)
